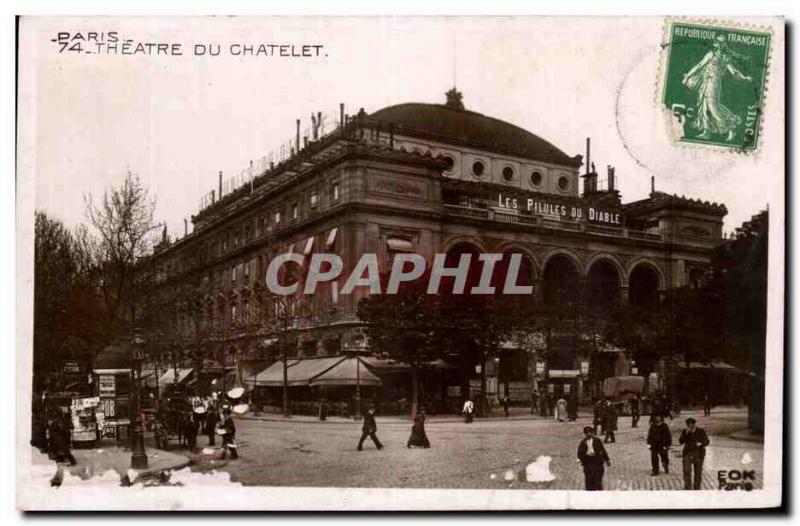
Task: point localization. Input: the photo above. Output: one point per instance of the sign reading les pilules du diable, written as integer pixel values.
(714, 83)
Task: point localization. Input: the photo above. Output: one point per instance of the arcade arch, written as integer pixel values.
(603, 282)
(644, 284)
(561, 280)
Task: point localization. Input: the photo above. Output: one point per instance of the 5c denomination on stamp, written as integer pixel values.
(714, 83)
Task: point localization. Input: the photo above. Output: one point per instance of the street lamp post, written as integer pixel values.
(138, 454)
(358, 388)
(354, 353)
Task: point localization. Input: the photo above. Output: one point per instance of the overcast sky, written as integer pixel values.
(178, 120)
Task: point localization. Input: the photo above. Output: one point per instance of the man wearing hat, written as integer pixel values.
(592, 455)
(694, 440)
(229, 433)
(659, 440)
(369, 429)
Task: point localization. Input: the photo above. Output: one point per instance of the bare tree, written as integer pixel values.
(123, 222)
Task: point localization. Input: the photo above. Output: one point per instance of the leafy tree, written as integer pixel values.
(65, 306)
(408, 326)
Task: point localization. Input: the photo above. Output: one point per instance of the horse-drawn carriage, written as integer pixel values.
(172, 421)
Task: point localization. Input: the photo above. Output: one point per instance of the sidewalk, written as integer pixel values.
(746, 436)
(404, 419)
(516, 414)
(96, 461)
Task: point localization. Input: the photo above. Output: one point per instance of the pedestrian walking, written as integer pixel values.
(228, 429)
(505, 402)
(210, 424)
(659, 440)
(694, 440)
(666, 407)
(597, 415)
(323, 410)
(534, 402)
(418, 436)
(561, 410)
(572, 408)
(191, 427)
(369, 429)
(467, 410)
(592, 455)
(59, 438)
(635, 403)
(706, 405)
(551, 404)
(609, 421)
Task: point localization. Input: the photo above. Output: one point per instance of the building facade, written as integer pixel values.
(427, 179)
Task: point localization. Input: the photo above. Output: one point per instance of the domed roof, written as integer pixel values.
(452, 124)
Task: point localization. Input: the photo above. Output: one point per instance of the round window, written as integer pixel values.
(508, 173)
(478, 168)
(563, 182)
(536, 178)
(449, 163)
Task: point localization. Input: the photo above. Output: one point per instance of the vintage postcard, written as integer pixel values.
(400, 263)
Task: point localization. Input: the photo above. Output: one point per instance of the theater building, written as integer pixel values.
(428, 178)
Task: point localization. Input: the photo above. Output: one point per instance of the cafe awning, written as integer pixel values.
(273, 373)
(713, 366)
(169, 377)
(349, 371)
(305, 370)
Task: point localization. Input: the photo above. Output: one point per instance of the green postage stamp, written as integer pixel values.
(714, 83)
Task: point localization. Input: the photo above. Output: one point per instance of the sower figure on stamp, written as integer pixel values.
(369, 429)
(713, 117)
(592, 455)
(694, 440)
(659, 439)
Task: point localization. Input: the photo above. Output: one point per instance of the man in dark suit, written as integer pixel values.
(369, 429)
(635, 411)
(659, 439)
(592, 455)
(694, 440)
(610, 417)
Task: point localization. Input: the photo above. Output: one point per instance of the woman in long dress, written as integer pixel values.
(713, 117)
(418, 437)
(561, 410)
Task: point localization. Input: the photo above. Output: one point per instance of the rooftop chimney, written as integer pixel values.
(297, 136)
(220, 184)
(588, 154)
(611, 178)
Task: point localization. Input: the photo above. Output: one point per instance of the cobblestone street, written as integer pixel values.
(490, 453)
